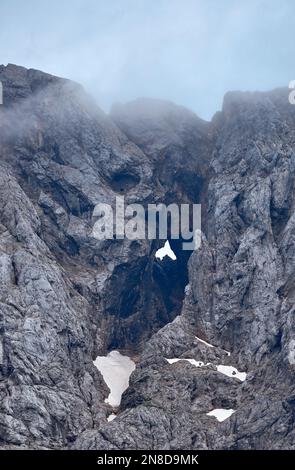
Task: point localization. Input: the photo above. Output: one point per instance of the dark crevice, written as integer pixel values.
(276, 344)
(123, 181)
(279, 220)
(145, 296)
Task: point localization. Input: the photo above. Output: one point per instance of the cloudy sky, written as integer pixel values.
(187, 51)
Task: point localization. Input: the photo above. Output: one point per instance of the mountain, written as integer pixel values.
(212, 330)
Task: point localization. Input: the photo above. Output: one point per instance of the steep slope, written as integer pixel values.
(240, 297)
(67, 297)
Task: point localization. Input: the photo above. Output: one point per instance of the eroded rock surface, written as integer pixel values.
(66, 298)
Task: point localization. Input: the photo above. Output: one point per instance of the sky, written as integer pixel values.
(190, 52)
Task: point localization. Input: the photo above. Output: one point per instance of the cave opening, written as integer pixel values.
(149, 295)
(148, 292)
(170, 272)
(123, 181)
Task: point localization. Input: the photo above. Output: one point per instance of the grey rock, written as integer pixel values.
(66, 297)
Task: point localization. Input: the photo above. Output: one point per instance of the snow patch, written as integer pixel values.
(165, 251)
(111, 417)
(116, 370)
(232, 372)
(226, 370)
(210, 345)
(191, 361)
(221, 414)
(204, 342)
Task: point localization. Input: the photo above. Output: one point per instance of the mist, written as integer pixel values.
(190, 52)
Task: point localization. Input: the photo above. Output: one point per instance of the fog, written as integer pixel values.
(188, 51)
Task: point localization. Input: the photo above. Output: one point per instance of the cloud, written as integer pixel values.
(187, 51)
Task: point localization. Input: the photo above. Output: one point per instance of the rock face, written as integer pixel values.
(66, 297)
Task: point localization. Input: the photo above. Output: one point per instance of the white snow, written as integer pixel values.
(232, 372)
(191, 361)
(172, 361)
(111, 417)
(221, 413)
(165, 251)
(116, 370)
(226, 370)
(210, 345)
(204, 342)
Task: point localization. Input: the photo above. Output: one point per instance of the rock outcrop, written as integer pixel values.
(66, 297)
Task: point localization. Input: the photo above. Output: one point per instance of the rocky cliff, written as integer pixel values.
(66, 297)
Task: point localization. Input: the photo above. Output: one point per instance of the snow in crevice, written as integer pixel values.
(116, 370)
(229, 371)
(204, 342)
(210, 345)
(221, 414)
(111, 417)
(232, 372)
(191, 361)
(165, 251)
